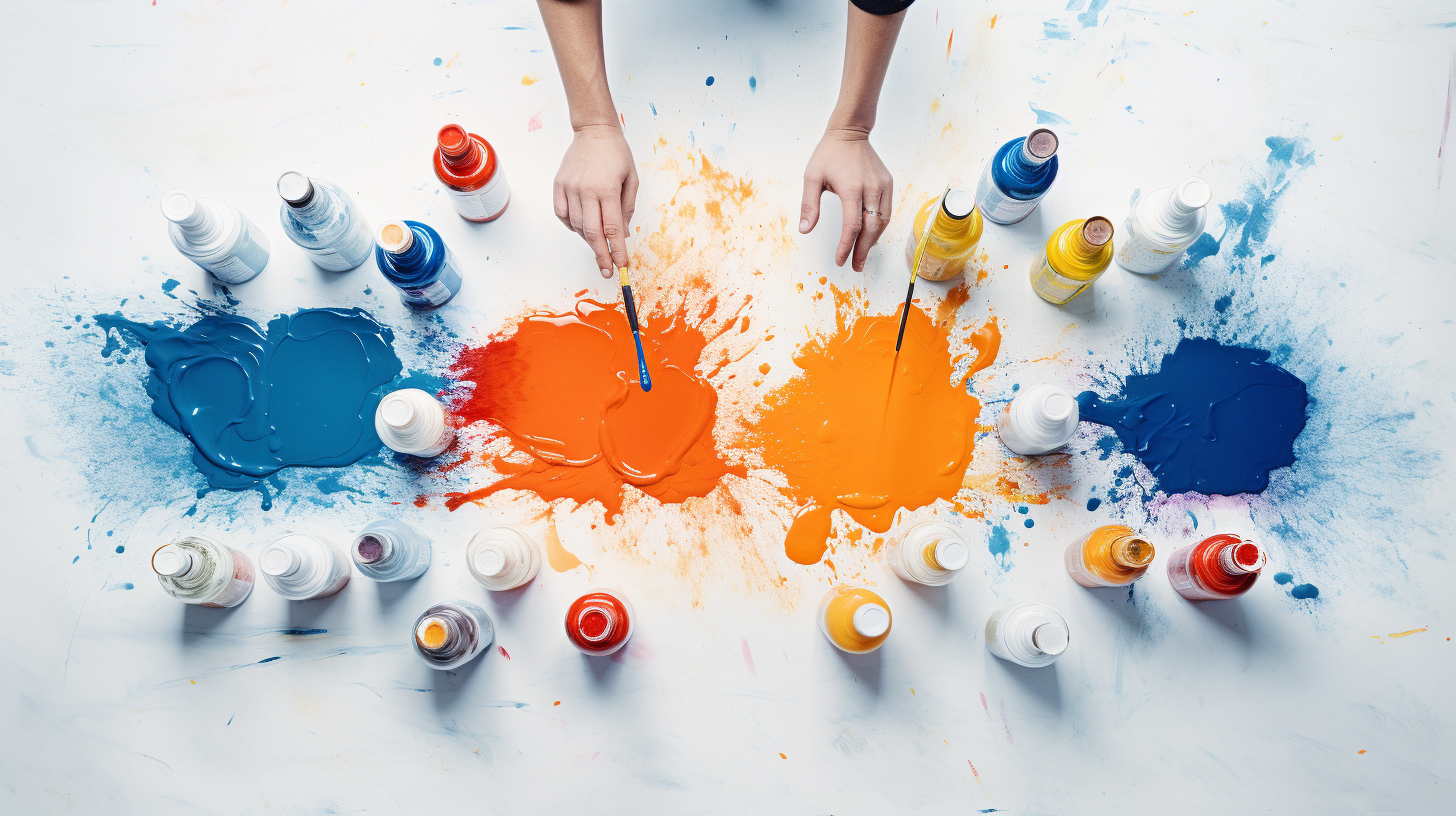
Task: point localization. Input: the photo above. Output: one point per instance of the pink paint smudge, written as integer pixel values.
(504, 653)
(985, 707)
(1445, 126)
(534, 123)
(748, 659)
(1005, 722)
(978, 775)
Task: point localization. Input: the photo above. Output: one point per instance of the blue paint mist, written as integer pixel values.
(1251, 217)
(301, 394)
(1214, 419)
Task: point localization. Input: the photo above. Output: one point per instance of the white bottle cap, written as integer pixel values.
(959, 202)
(395, 237)
(397, 410)
(1050, 639)
(278, 559)
(295, 188)
(1058, 406)
(182, 208)
(170, 561)
(490, 561)
(1192, 194)
(871, 620)
(951, 554)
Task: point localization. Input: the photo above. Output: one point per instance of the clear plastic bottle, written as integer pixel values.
(411, 421)
(201, 571)
(502, 557)
(301, 567)
(1038, 420)
(954, 232)
(1161, 225)
(388, 550)
(1109, 556)
(452, 633)
(854, 619)
(1221, 566)
(930, 552)
(214, 235)
(320, 217)
(1030, 634)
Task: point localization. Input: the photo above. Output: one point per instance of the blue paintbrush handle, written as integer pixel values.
(642, 376)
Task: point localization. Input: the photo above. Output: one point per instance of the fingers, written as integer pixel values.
(591, 230)
(615, 230)
(853, 203)
(809, 209)
(558, 202)
(629, 198)
(876, 218)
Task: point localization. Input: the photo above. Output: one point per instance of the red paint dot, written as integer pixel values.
(504, 653)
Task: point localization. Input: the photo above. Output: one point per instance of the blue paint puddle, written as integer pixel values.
(1282, 577)
(1304, 592)
(1214, 419)
(301, 394)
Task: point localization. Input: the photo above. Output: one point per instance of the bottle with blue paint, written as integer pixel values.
(320, 217)
(216, 236)
(388, 550)
(1017, 177)
(414, 258)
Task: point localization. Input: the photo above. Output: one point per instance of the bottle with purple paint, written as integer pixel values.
(452, 633)
(388, 550)
(201, 571)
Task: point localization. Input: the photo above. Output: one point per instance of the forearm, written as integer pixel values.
(575, 30)
(868, 44)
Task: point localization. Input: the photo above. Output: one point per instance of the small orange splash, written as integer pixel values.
(560, 558)
(421, 500)
(948, 41)
(763, 369)
(987, 343)
(955, 298)
(1361, 751)
(529, 79)
(823, 279)
(579, 294)
(973, 770)
(783, 755)
(557, 703)
(993, 20)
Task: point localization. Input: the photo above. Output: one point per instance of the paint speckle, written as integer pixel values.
(128, 585)
(503, 652)
(301, 632)
(1304, 592)
(557, 703)
(1093, 504)
(529, 79)
(748, 659)
(120, 548)
(1409, 632)
(753, 83)
(534, 123)
(710, 80)
(1029, 523)
(1283, 578)
(439, 61)
(782, 755)
(999, 543)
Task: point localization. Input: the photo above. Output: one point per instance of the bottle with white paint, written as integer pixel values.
(1162, 225)
(1030, 634)
(1038, 420)
(452, 633)
(216, 236)
(413, 422)
(201, 571)
(301, 567)
(320, 217)
(388, 550)
(931, 553)
(502, 557)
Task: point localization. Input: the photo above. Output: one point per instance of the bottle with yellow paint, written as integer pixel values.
(930, 553)
(452, 633)
(1076, 255)
(954, 232)
(1109, 556)
(854, 619)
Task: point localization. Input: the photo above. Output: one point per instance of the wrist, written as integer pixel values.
(850, 122)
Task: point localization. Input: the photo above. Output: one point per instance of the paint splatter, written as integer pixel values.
(710, 81)
(529, 79)
(503, 652)
(977, 773)
(1409, 632)
(753, 83)
(1304, 592)
(1094, 503)
(1283, 578)
(438, 61)
(534, 123)
(1252, 216)
(999, 543)
(748, 659)
(560, 558)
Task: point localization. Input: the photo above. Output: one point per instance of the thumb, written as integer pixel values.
(809, 210)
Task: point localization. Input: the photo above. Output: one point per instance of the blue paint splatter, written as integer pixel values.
(1023, 509)
(1047, 117)
(1029, 523)
(1221, 305)
(438, 61)
(168, 285)
(1264, 261)
(1304, 592)
(653, 107)
(1253, 215)
(1093, 504)
(269, 659)
(1214, 419)
(999, 543)
(74, 559)
(302, 632)
(121, 548)
(1282, 577)
(1056, 30)
(1088, 18)
(710, 80)
(753, 83)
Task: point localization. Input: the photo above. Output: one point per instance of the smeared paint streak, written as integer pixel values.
(529, 79)
(1304, 592)
(1408, 632)
(985, 707)
(302, 632)
(752, 84)
(1445, 125)
(503, 652)
(1088, 18)
(1056, 30)
(977, 773)
(987, 343)
(168, 286)
(1047, 117)
(1213, 419)
(948, 41)
(748, 659)
(654, 113)
(301, 394)
(560, 558)
(1283, 578)
(534, 123)
(1006, 722)
(268, 660)
(1252, 216)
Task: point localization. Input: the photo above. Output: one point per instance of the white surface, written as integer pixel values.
(728, 700)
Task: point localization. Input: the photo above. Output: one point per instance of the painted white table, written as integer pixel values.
(117, 699)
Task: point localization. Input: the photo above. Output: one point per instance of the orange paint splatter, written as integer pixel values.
(560, 558)
(783, 755)
(557, 703)
(1408, 632)
(993, 20)
(421, 500)
(948, 41)
(954, 299)
(529, 79)
(504, 653)
(987, 343)
(763, 369)
(1361, 751)
(978, 775)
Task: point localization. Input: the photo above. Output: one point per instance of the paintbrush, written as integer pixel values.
(643, 378)
(915, 272)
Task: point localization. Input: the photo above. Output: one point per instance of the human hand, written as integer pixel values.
(595, 192)
(845, 164)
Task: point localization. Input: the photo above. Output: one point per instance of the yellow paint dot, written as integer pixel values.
(529, 79)
(193, 682)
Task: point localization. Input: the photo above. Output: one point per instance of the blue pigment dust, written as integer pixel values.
(302, 394)
(1213, 419)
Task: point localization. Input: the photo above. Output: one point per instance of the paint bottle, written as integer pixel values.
(470, 170)
(1162, 225)
(502, 557)
(320, 217)
(414, 258)
(388, 550)
(1038, 420)
(1076, 255)
(1017, 177)
(216, 236)
(1220, 566)
(1030, 634)
(854, 619)
(953, 235)
(413, 422)
(301, 567)
(600, 622)
(201, 571)
(1110, 556)
(452, 633)
(930, 552)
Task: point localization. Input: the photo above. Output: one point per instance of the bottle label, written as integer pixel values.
(444, 287)
(999, 207)
(348, 252)
(1053, 285)
(1137, 254)
(238, 586)
(485, 203)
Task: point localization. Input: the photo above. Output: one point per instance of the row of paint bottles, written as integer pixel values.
(410, 421)
(321, 218)
(954, 231)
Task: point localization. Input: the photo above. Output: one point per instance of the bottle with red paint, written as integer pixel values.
(1221, 566)
(472, 174)
(600, 622)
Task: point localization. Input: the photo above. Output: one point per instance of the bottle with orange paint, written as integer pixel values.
(954, 233)
(854, 619)
(472, 174)
(1220, 566)
(1109, 556)
(600, 622)
(930, 553)
(452, 633)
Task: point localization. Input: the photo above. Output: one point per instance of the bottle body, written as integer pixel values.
(1029, 634)
(1109, 556)
(470, 170)
(302, 567)
(1162, 225)
(502, 557)
(600, 622)
(955, 229)
(854, 619)
(1017, 177)
(412, 422)
(1075, 256)
(451, 633)
(388, 550)
(216, 236)
(930, 552)
(1220, 566)
(414, 258)
(1038, 420)
(321, 218)
(201, 571)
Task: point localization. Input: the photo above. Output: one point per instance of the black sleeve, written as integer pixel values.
(882, 6)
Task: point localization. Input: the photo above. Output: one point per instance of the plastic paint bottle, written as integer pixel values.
(1030, 634)
(1038, 420)
(301, 567)
(1220, 566)
(930, 552)
(854, 619)
(215, 236)
(502, 557)
(201, 571)
(1110, 556)
(953, 235)
(413, 422)
(452, 633)
(319, 216)
(1076, 255)
(472, 174)
(600, 622)
(414, 258)
(1017, 177)
(1162, 225)
(388, 550)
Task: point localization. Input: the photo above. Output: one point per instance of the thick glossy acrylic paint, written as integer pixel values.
(1017, 177)
(216, 236)
(502, 557)
(600, 622)
(1038, 420)
(1162, 225)
(412, 422)
(301, 567)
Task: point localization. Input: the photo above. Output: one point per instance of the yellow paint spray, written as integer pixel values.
(954, 233)
(1076, 255)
